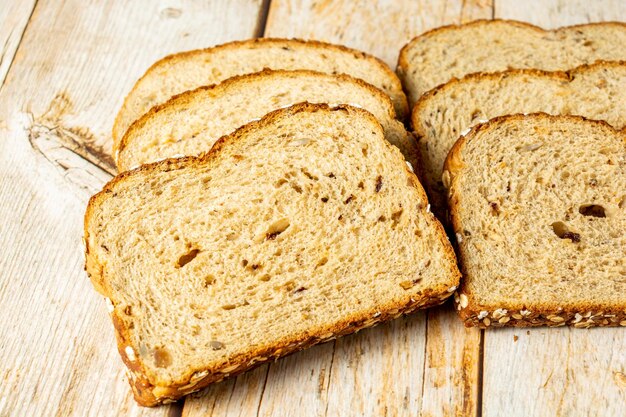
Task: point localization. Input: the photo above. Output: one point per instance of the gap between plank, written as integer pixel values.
(330, 374)
(481, 359)
(259, 31)
(267, 374)
(19, 43)
(176, 409)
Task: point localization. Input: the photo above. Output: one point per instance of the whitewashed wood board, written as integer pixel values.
(69, 66)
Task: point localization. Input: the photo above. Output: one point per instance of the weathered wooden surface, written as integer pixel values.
(13, 19)
(69, 68)
(75, 62)
(551, 14)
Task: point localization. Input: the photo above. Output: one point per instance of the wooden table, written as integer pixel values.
(65, 67)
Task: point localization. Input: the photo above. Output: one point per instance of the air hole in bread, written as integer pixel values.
(593, 210)
(322, 262)
(395, 218)
(308, 174)
(209, 280)
(187, 257)
(562, 231)
(264, 278)
(162, 357)
(296, 187)
(379, 183)
(276, 229)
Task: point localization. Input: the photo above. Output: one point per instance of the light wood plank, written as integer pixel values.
(14, 16)
(380, 371)
(551, 14)
(558, 371)
(453, 361)
(380, 28)
(554, 372)
(75, 63)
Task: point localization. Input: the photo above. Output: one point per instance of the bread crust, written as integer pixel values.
(187, 97)
(568, 76)
(396, 86)
(150, 392)
(517, 314)
(403, 63)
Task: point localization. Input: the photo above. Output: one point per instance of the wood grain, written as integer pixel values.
(14, 16)
(380, 28)
(76, 61)
(559, 371)
(554, 372)
(551, 14)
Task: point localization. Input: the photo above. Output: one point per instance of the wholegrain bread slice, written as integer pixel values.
(184, 71)
(595, 91)
(538, 205)
(436, 57)
(294, 230)
(190, 123)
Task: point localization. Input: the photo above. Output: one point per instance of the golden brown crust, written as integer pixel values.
(187, 97)
(518, 314)
(393, 78)
(403, 60)
(150, 393)
(568, 75)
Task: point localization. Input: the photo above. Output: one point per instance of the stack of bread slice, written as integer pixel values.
(536, 202)
(248, 223)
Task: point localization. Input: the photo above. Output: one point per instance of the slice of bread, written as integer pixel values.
(294, 230)
(595, 91)
(454, 51)
(538, 205)
(184, 71)
(191, 123)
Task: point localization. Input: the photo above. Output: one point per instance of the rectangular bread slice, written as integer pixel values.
(436, 57)
(292, 231)
(538, 205)
(596, 91)
(190, 123)
(189, 70)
